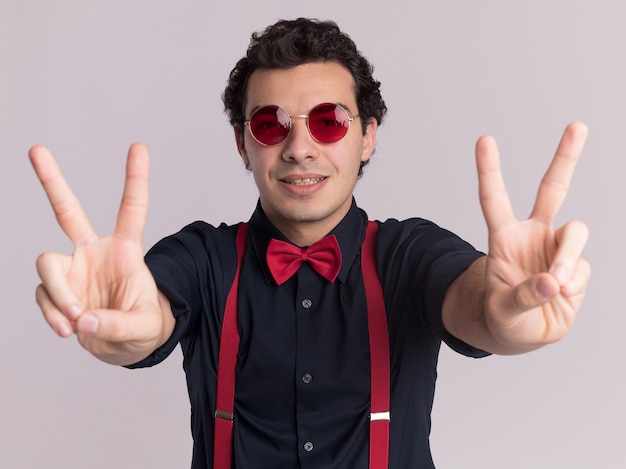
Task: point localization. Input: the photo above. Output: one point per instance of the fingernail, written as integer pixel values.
(543, 291)
(88, 324)
(570, 288)
(73, 312)
(560, 273)
(63, 329)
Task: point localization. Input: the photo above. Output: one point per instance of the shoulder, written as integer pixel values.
(198, 243)
(200, 234)
(417, 245)
(415, 230)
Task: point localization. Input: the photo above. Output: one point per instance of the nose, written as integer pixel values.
(299, 144)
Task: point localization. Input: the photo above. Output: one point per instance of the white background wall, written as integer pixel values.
(89, 78)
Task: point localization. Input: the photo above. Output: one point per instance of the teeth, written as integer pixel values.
(304, 182)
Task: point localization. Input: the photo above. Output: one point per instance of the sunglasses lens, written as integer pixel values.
(270, 125)
(328, 122)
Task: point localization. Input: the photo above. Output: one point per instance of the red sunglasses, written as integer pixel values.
(327, 123)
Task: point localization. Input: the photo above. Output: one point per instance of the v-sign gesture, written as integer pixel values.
(534, 276)
(104, 291)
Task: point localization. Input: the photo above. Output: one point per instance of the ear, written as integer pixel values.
(369, 139)
(241, 145)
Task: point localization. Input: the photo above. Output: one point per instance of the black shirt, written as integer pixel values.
(303, 371)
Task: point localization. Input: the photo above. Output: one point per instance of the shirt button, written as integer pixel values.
(306, 303)
(308, 447)
(307, 378)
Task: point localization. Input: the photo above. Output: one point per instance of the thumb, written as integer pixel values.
(121, 327)
(532, 293)
(117, 337)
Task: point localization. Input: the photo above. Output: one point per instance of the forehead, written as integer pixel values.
(299, 88)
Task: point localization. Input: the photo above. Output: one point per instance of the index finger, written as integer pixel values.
(555, 183)
(67, 209)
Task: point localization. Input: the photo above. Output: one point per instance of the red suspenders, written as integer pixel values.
(229, 346)
(379, 357)
(379, 353)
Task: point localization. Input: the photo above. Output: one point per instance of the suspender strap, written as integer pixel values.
(227, 365)
(379, 358)
(379, 353)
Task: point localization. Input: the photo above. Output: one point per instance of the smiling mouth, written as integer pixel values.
(304, 181)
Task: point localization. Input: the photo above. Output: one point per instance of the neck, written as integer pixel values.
(308, 226)
(306, 233)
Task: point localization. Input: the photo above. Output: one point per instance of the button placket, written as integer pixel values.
(307, 298)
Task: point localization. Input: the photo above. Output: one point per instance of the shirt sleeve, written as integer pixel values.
(419, 262)
(192, 270)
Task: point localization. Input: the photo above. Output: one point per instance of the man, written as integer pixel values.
(305, 340)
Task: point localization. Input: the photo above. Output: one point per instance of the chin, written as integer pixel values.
(297, 213)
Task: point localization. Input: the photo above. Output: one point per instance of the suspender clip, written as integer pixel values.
(380, 416)
(220, 414)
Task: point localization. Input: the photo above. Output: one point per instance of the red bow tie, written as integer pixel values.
(284, 259)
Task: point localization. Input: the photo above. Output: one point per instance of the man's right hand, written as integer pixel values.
(103, 292)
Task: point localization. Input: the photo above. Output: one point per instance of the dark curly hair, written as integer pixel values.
(289, 43)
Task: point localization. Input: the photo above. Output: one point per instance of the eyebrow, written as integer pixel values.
(345, 106)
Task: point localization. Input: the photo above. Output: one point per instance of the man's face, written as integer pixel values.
(305, 186)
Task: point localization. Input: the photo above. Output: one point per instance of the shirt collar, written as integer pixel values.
(349, 232)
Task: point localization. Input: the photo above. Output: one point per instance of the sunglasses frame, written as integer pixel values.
(300, 116)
